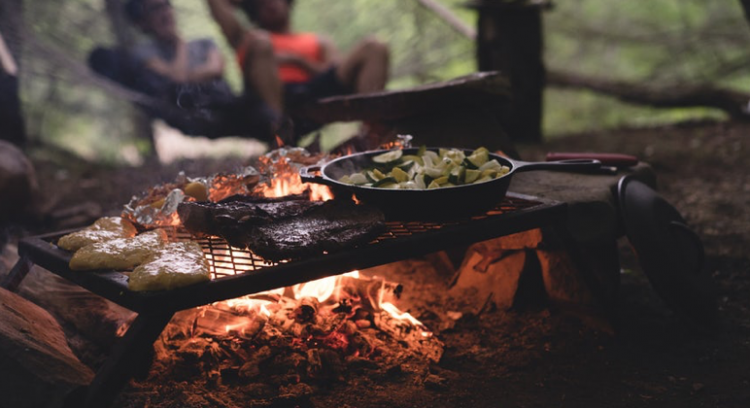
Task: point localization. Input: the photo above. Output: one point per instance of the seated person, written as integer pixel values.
(167, 53)
(185, 78)
(288, 69)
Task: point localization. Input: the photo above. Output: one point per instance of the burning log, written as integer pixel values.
(306, 310)
(491, 274)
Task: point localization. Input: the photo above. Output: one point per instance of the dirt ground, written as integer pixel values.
(536, 358)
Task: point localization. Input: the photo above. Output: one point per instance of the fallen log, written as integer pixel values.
(732, 102)
(37, 368)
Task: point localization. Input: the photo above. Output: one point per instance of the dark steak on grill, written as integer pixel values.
(279, 229)
(230, 219)
(336, 225)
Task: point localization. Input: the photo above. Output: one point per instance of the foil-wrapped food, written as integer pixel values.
(157, 207)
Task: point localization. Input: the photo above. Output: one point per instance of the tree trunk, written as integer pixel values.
(685, 96)
(509, 39)
(746, 8)
(11, 117)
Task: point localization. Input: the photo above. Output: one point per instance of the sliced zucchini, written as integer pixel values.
(449, 168)
(358, 179)
(420, 181)
(388, 157)
(471, 176)
(433, 172)
(440, 180)
(406, 165)
(479, 157)
(469, 165)
(432, 155)
(483, 180)
(456, 156)
(492, 164)
(456, 175)
(416, 159)
(480, 150)
(383, 183)
(399, 175)
(379, 174)
(490, 173)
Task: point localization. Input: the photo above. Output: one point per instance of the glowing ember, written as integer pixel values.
(398, 315)
(326, 312)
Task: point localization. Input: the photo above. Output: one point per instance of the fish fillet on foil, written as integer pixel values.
(103, 229)
(119, 254)
(173, 266)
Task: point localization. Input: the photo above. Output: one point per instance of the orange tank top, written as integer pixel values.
(305, 45)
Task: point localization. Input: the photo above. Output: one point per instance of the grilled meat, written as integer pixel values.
(283, 229)
(334, 226)
(229, 219)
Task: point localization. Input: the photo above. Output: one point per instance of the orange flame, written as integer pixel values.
(286, 181)
(246, 315)
(399, 315)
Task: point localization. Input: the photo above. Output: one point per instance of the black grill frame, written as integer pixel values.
(402, 240)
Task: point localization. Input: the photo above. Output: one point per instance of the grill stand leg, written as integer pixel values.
(13, 279)
(118, 369)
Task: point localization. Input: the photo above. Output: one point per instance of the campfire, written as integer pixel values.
(311, 331)
(273, 329)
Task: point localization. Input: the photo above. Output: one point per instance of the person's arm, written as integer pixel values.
(177, 69)
(211, 69)
(7, 63)
(223, 13)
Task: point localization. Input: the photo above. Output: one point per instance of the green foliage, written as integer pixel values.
(667, 42)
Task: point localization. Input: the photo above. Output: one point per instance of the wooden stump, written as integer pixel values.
(510, 40)
(37, 368)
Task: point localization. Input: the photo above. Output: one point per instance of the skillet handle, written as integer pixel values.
(307, 175)
(607, 159)
(574, 165)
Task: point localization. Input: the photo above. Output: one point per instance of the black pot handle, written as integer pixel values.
(311, 174)
(575, 165)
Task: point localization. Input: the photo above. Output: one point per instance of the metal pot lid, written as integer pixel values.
(669, 252)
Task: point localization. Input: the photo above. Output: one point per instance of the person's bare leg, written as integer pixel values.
(365, 69)
(261, 73)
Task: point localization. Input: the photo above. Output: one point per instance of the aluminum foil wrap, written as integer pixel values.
(158, 206)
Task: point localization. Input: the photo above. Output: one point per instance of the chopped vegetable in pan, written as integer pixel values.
(428, 169)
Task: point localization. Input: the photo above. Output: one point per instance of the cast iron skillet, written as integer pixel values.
(440, 203)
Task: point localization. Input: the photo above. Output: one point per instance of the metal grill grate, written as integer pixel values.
(226, 260)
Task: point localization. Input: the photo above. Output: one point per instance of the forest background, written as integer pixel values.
(666, 44)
